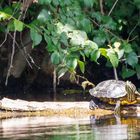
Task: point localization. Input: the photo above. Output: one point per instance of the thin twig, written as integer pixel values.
(16, 8)
(24, 53)
(101, 7)
(24, 11)
(54, 83)
(13, 51)
(32, 61)
(107, 30)
(82, 77)
(133, 38)
(23, 49)
(112, 7)
(4, 39)
(132, 30)
(115, 73)
(11, 59)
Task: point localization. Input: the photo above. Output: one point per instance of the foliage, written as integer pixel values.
(77, 30)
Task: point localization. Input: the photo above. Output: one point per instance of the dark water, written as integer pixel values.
(70, 128)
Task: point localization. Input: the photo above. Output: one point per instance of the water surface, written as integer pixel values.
(71, 128)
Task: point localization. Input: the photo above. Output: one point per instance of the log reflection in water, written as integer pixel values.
(105, 127)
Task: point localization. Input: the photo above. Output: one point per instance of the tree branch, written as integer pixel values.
(4, 39)
(115, 73)
(112, 7)
(11, 60)
(24, 53)
(107, 30)
(133, 38)
(54, 83)
(101, 7)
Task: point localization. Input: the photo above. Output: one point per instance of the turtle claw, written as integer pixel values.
(92, 105)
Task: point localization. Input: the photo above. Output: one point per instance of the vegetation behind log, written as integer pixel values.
(74, 34)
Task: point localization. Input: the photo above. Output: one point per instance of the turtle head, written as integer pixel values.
(130, 87)
(130, 90)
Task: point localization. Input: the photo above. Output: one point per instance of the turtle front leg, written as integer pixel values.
(93, 105)
(117, 109)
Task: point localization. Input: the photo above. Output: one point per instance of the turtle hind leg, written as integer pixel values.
(117, 110)
(93, 105)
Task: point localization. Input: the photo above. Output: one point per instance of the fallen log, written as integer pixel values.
(31, 108)
(50, 108)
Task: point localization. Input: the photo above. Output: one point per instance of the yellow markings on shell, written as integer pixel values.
(123, 102)
(112, 102)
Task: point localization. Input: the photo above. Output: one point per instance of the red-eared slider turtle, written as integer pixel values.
(115, 92)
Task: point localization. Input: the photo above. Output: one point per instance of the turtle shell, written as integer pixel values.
(110, 89)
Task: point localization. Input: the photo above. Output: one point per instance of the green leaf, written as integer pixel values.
(83, 55)
(55, 58)
(137, 3)
(86, 25)
(77, 37)
(97, 16)
(100, 37)
(18, 25)
(127, 47)
(11, 26)
(87, 52)
(108, 22)
(36, 37)
(47, 38)
(113, 57)
(71, 63)
(89, 3)
(62, 72)
(71, 21)
(82, 66)
(95, 55)
(127, 73)
(91, 44)
(67, 2)
(64, 38)
(74, 49)
(50, 46)
(54, 40)
(132, 59)
(8, 10)
(4, 16)
(138, 70)
(43, 16)
(103, 52)
(44, 1)
(55, 2)
(120, 53)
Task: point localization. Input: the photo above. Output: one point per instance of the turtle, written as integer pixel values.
(115, 92)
